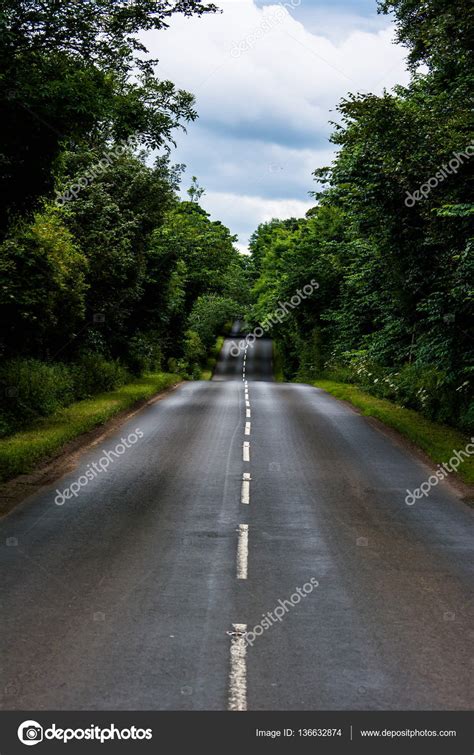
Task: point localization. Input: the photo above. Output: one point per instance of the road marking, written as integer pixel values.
(238, 668)
(246, 450)
(245, 495)
(246, 383)
(247, 428)
(247, 403)
(243, 551)
(247, 413)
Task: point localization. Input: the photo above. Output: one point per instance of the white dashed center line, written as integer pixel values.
(238, 648)
(243, 551)
(245, 496)
(238, 668)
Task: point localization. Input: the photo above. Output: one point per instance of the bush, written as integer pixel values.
(310, 358)
(94, 374)
(30, 389)
(467, 418)
(178, 367)
(144, 353)
(194, 350)
(209, 315)
(424, 388)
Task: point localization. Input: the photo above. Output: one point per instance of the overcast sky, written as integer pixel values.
(266, 78)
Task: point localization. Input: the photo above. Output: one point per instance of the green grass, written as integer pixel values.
(206, 372)
(438, 441)
(19, 453)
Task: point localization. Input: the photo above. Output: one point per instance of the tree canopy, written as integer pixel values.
(395, 267)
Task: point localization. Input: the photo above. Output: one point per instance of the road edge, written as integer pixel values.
(19, 488)
(464, 491)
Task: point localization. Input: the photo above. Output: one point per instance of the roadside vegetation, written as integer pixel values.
(390, 243)
(21, 451)
(208, 370)
(438, 441)
(110, 283)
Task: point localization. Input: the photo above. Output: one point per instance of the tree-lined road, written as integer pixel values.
(127, 597)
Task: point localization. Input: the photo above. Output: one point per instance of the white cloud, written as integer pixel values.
(271, 104)
(243, 212)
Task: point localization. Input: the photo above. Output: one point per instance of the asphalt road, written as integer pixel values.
(137, 593)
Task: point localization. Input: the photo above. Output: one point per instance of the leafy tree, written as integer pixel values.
(67, 79)
(394, 307)
(43, 286)
(209, 314)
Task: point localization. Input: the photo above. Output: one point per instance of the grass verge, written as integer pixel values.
(19, 453)
(437, 441)
(206, 372)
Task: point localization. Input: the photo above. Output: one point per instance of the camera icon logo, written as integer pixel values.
(30, 732)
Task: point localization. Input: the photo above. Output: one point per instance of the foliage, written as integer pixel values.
(438, 441)
(394, 306)
(20, 452)
(209, 315)
(75, 73)
(30, 388)
(42, 286)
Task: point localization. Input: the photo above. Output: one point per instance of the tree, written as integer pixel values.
(43, 286)
(390, 241)
(67, 80)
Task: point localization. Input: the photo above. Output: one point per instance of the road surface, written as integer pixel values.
(137, 593)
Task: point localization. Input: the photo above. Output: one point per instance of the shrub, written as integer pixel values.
(194, 350)
(94, 374)
(425, 388)
(209, 315)
(30, 389)
(144, 353)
